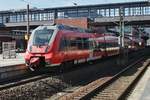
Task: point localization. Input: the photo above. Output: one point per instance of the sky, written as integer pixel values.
(21, 4)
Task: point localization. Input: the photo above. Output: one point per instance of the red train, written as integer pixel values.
(60, 44)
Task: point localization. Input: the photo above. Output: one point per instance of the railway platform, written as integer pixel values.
(13, 67)
(13, 61)
(142, 89)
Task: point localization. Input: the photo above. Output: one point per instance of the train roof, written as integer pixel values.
(65, 27)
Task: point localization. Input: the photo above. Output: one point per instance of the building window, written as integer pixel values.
(71, 13)
(36, 16)
(60, 14)
(98, 11)
(102, 12)
(1, 19)
(107, 12)
(22, 17)
(146, 10)
(12, 18)
(33, 17)
(112, 13)
(83, 13)
(18, 18)
(94, 13)
(137, 11)
(41, 17)
(45, 16)
(117, 12)
(6, 19)
(126, 12)
(50, 16)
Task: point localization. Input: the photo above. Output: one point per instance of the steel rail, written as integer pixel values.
(90, 89)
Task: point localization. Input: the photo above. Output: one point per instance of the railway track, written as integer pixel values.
(110, 87)
(28, 77)
(23, 81)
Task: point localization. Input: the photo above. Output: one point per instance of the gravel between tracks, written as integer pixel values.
(32, 91)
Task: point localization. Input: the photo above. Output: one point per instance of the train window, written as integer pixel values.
(62, 44)
(107, 45)
(86, 43)
(102, 45)
(75, 29)
(99, 45)
(73, 44)
(79, 43)
(67, 44)
(115, 45)
(81, 30)
(110, 45)
(42, 37)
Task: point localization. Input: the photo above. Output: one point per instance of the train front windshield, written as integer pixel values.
(41, 37)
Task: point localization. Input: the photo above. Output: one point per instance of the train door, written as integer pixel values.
(91, 49)
(91, 53)
(67, 48)
(97, 53)
(64, 46)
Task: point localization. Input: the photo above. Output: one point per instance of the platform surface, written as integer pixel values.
(13, 61)
(142, 90)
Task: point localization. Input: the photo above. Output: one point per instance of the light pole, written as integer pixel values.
(28, 24)
(123, 58)
(121, 23)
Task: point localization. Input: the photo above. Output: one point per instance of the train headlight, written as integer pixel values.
(140, 43)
